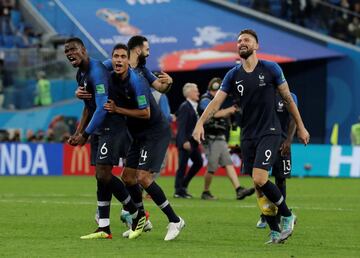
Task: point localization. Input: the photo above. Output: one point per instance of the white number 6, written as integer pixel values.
(103, 149)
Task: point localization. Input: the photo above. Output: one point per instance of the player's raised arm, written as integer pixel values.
(209, 111)
(302, 133)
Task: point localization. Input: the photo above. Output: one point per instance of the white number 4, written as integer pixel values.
(143, 154)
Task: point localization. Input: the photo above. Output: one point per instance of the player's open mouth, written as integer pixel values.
(243, 48)
(72, 60)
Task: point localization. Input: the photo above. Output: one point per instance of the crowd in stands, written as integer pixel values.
(59, 131)
(337, 18)
(14, 32)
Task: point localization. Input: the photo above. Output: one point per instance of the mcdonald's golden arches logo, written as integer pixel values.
(80, 160)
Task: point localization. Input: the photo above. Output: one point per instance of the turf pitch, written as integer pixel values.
(45, 216)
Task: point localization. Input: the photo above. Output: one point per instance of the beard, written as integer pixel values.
(245, 55)
(142, 60)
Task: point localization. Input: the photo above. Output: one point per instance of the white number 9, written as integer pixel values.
(268, 154)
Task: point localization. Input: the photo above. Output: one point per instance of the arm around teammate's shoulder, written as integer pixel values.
(111, 107)
(162, 83)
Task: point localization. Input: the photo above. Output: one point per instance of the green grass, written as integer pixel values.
(44, 217)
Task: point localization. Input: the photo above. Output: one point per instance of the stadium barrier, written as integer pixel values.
(31, 159)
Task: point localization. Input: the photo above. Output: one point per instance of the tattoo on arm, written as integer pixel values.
(212, 113)
(287, 97)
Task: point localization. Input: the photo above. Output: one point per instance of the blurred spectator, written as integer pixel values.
(356, 7)
(30, 38)
(345, 5)
(334, 2)
(1, 92)
(4, 135)
(6, 26)
(50, 136)
(30, 136)
(297, 14)
(261, 6)
(285, 6)
(60, 128)
(2, 56)
(331, 17)
(354, 30)
(16, 136)
(40, 136)
(339, 29)
(43, 90)
(355, 133)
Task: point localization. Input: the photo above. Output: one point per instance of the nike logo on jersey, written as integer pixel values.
(237, 82)
(141, 163)
(102, 157)
(266, 163)
(285, 173)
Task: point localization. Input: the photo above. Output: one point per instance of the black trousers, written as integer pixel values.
(183, 179)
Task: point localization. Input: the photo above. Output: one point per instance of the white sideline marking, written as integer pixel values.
(93, 203)
(47, 195)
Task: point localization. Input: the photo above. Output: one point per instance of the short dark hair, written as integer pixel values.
(75, 39)
(136, 41)
(119, 46)
(251, 32)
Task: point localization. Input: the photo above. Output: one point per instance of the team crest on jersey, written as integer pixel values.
(261, 80)
(280, 106)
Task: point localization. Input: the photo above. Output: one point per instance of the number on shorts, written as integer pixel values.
(267, 155)
(286, 165)
(104, 149)
(143, 155)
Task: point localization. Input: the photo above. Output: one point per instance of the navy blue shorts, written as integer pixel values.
(147, 152)
(108, 147)
(282, 166)
(259, 153)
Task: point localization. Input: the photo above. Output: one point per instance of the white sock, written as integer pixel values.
(104, 223)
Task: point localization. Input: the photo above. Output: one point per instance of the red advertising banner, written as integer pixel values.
(77, 161)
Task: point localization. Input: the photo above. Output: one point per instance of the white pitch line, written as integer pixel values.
(207, 205)
(46, 195)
